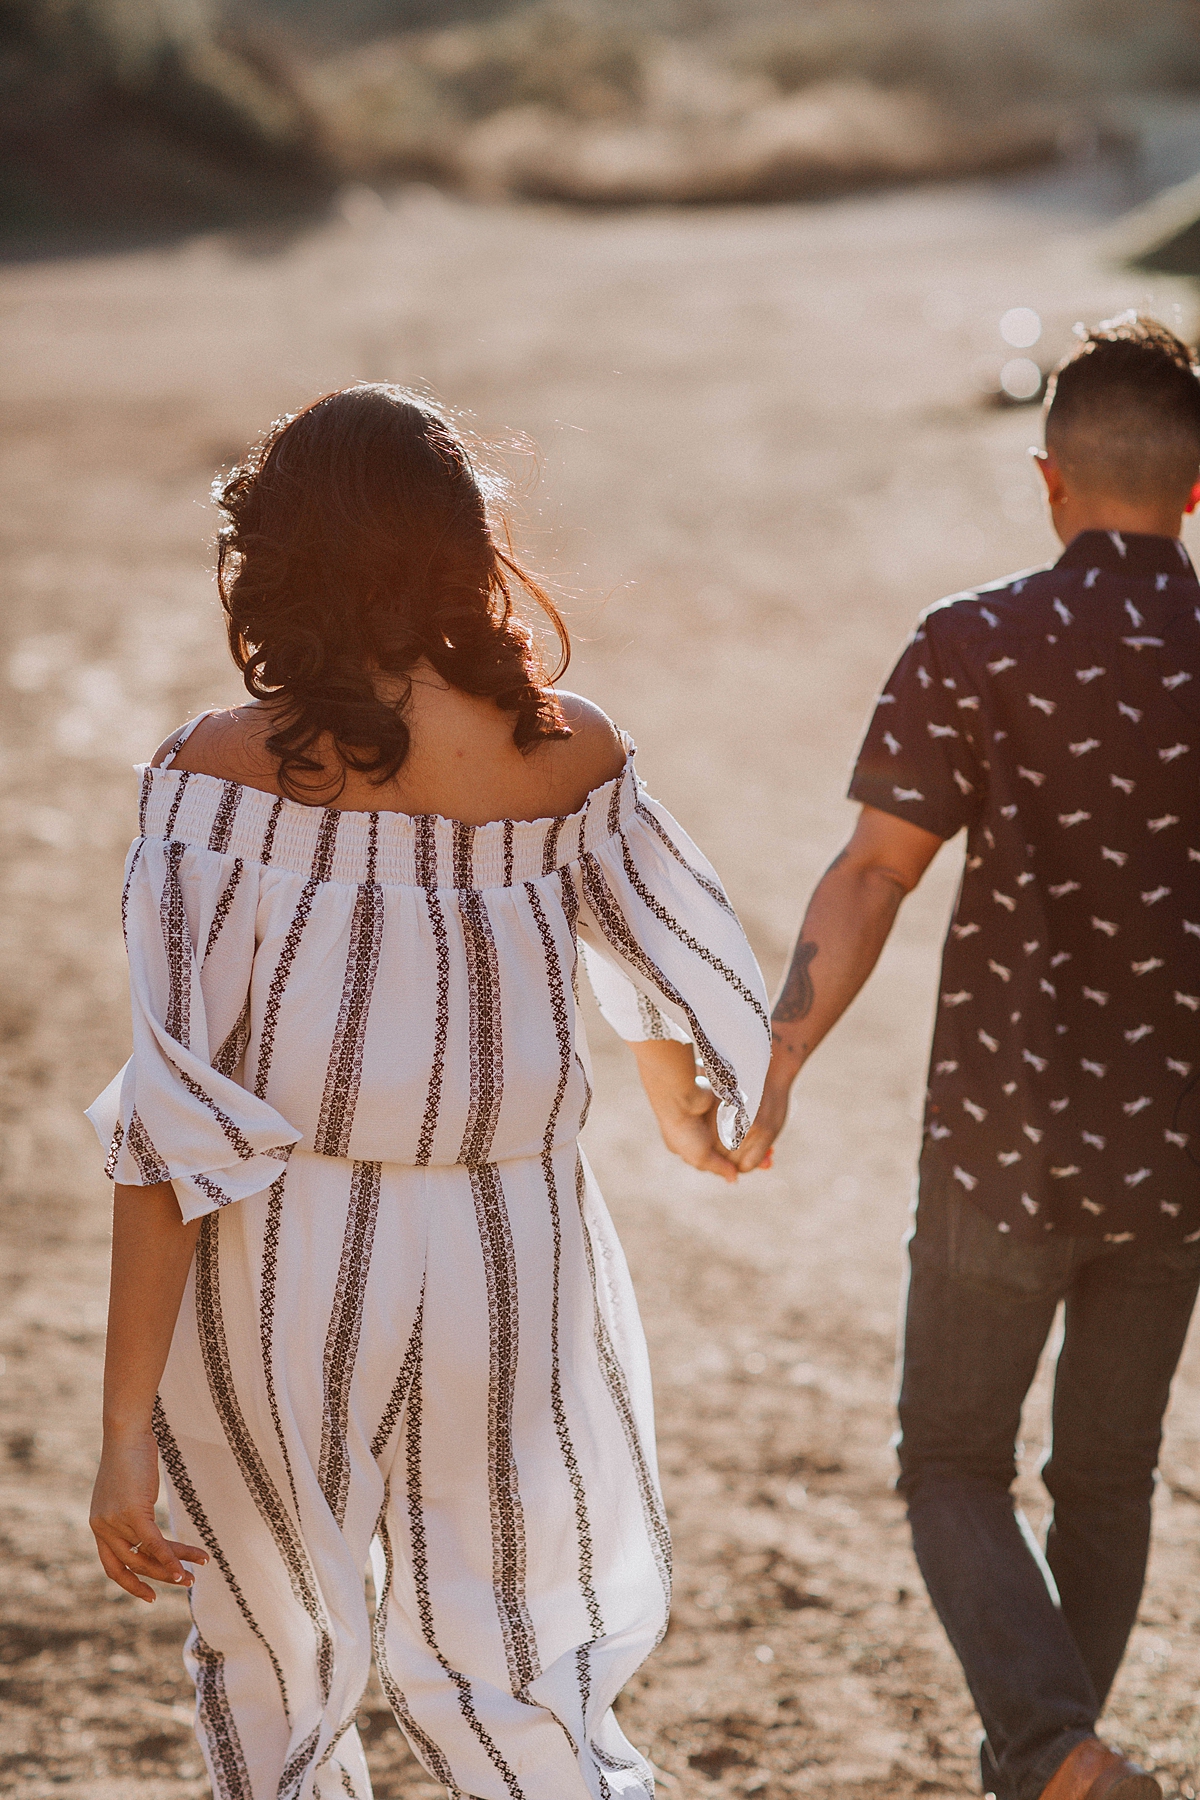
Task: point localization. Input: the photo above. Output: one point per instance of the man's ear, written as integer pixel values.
(1052, 475)
(1193, 498)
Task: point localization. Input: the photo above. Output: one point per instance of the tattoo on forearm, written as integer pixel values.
(795, 1002)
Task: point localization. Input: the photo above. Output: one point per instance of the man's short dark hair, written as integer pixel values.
(1123, 412)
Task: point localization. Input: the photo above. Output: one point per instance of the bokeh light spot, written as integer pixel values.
(1021, 378)
(1020, 327)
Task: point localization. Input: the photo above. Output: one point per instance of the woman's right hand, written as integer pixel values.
(133, 1551)
(152, 1253)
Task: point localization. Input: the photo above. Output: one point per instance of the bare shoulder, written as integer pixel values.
(595, 750)
(229, 745)
(168, 744)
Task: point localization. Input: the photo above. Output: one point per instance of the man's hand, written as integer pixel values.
(756, 1149)
(852, 910)
(686, 1109)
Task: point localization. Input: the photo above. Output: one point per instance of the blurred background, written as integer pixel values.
(756, 301)
(147, 114)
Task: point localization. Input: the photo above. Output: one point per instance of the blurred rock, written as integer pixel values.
(830, 137)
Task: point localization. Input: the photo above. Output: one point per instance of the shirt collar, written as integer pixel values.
(1133, 554)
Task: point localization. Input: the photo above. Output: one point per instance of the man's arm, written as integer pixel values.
(852, 910)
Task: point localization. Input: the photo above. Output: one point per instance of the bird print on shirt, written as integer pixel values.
(1071, 977)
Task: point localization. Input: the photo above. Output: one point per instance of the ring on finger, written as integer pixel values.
(134, 1548)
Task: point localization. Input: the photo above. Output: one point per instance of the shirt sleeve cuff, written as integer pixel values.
(907, 803)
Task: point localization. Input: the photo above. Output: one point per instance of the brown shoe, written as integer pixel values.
(1094, 1772)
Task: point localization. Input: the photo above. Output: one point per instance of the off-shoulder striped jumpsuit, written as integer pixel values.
(409, 1333)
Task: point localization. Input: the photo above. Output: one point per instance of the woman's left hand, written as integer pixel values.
(689, 1129)
(686, 1109)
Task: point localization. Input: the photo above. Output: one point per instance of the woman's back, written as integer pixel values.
(462, 764)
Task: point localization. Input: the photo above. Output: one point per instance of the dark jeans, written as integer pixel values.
(980, 1307)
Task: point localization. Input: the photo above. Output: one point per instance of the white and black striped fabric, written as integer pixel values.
(397, 989)
(409, 1328)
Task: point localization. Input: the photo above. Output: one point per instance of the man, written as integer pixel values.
(1055, 716)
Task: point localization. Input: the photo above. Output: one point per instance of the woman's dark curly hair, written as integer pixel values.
(356, 540)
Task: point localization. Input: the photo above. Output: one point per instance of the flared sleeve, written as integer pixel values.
(176, 1111)
(667, 957)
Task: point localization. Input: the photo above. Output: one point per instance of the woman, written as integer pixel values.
(365, 1294)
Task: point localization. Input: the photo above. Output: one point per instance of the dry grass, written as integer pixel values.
(597, 102)
(156, 113)
(989, 51)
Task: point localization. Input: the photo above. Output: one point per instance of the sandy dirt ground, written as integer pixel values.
(763, 450)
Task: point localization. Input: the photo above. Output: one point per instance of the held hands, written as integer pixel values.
(685, 1107)
(845, 927)
(132, 1549)
(756, 1150)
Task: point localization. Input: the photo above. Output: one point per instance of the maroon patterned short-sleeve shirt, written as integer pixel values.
(1056, 716)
